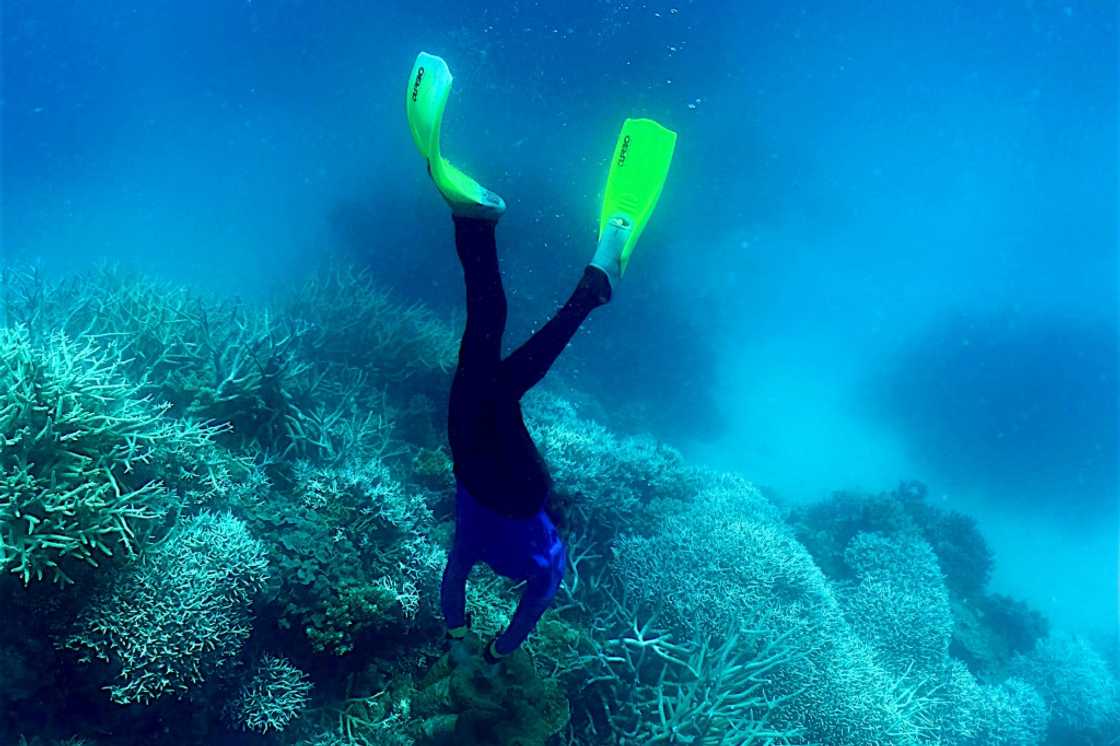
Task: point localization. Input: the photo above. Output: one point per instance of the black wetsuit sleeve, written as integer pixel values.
(529, 363)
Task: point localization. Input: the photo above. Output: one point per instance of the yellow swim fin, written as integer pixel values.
(429, 86)
(638, 171)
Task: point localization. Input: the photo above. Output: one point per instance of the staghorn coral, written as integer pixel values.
(273, 695)
(389, 525)
(607, 485)
(967, 713)
(899, 604)
(827, 527)
(713, 566)
(380, 606)
(654, 687)
(83, 455)
(363, 496)
(1016, 715)
(1080, 691)
(713, 571)
(179, 613)
(306, 379)
(211, 360)
(353, 322)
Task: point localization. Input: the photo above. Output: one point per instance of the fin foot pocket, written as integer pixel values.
(429, 87)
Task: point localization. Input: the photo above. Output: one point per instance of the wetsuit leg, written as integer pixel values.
(479, 356)
(481, 347)
(527, 365)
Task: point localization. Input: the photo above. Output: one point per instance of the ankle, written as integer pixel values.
(484, 213)
(608, 252)
(465, 196)
(598, 283)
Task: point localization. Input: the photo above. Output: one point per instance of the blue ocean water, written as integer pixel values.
(887, 249)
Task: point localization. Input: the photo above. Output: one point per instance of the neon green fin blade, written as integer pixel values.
(429, 87)
(638, 171)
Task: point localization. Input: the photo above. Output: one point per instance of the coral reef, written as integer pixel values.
(987, 629)
(276, 693)
(179, 613)
(899, 603)
(1080, 691)
(246, 510)
(80, 466)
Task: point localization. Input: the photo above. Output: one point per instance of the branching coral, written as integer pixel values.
(179, 614)
(355, 323)
(1014, 715)
(243, 368)
(354, 551)
(899, 604)
(364, 497)
(275, 694)
(293, 382)
(79, 441)
(380, 718)
(387, 522)
(607, 485)
(382, 606)
(1079, 689)
(713, 567)
(211, 360)
(968, 713)
(827, 527)
(703, 690)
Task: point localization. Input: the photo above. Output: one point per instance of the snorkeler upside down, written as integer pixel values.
(502, 482)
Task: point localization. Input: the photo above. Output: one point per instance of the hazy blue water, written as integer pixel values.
(887, 248)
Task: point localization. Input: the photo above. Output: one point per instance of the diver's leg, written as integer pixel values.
(481, 347)
(527, 365)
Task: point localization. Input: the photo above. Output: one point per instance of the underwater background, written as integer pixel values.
(837, 465)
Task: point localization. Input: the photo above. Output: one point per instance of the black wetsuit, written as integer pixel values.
(495, 458)
(503, 483)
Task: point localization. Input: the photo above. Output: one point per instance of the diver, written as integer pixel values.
(502, 482)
